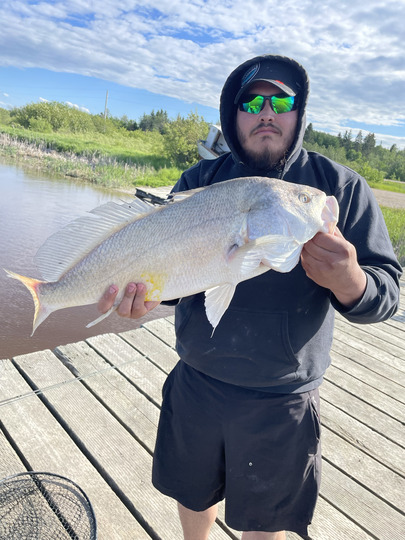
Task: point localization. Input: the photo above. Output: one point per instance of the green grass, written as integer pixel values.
(388, 185)
(395, 221)
(124, 160)
(140, 147)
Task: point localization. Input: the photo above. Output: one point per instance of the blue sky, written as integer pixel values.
(176, 54)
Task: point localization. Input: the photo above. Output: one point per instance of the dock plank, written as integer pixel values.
(364, 438)
(163, 329)
(369, 512)
(47, 447)
(143, 373)
(364, 412)
(388, 371)
(361, 389)
(330, 524)
(10, 463)
(122, 398)
(154, 348)
(376, 334)
(374, 347)
(365, 470)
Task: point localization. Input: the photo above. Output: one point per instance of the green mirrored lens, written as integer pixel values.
(283, 104)
(254, 106)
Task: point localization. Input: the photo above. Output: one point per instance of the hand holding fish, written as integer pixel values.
(331, 261)
(132, 306)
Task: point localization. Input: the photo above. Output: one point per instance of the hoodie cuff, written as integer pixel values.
(363, 306)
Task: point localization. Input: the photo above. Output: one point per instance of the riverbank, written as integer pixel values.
(94, 167)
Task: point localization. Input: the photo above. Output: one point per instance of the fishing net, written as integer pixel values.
(45, 506)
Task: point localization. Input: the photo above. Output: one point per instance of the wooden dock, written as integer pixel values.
(89, 411)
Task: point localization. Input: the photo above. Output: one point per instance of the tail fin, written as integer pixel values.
(41, 310)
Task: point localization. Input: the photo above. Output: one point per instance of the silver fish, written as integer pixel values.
(208, 239)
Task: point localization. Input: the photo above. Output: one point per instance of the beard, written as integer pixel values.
(265, 158)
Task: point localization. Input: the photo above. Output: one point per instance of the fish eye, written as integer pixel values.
(304, 197)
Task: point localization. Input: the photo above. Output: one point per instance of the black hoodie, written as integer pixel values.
(277, 332)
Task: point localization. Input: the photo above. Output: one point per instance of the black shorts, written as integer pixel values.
(260, 451)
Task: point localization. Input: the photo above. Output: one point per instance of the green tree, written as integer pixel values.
(309, 133)
(52, 116)
(4, 116)
(358, 141)
(368, 144)
(347, 139)
(181, 138)
(369, 173)
(154, 121)
(126, 123)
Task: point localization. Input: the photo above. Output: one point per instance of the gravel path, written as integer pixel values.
(389, 198)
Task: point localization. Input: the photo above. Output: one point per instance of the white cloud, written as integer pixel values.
(78, 107)
(352, 51)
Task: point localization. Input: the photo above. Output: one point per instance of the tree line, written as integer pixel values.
(180, 136)
(359, 152)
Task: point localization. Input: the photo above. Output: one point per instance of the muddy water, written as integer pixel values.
(32, 207)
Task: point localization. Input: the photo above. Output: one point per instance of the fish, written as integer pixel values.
(204, 240)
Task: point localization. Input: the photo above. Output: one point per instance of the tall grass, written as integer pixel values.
(127, 160)
(395, 221)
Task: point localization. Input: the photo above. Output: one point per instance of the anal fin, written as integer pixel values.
(217, 301)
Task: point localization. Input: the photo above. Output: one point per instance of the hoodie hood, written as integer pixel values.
(282, 67)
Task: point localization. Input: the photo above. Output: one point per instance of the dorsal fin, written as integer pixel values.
(66, 247)
(181, 195)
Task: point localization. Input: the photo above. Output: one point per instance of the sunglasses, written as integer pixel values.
(280, 103)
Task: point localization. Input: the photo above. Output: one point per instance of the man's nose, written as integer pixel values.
(267, 111)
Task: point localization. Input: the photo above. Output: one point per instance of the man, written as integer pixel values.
(240, 415)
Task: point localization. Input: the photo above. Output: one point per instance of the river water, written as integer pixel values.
(32, 207)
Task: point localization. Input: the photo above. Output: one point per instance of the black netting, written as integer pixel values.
(44, 506)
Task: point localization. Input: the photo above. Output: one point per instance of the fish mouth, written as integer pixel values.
(330, 215)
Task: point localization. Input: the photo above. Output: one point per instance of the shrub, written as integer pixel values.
(181, 137)
(369, 173)
(40, 124)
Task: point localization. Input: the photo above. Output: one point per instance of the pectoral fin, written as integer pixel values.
(286, 259)
(217, 301)
(278, 252)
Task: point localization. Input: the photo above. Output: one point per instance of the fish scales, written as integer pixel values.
(208, 239)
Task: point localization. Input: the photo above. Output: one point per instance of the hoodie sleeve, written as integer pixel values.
(362, 224)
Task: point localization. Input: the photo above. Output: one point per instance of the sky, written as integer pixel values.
(175, 55)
